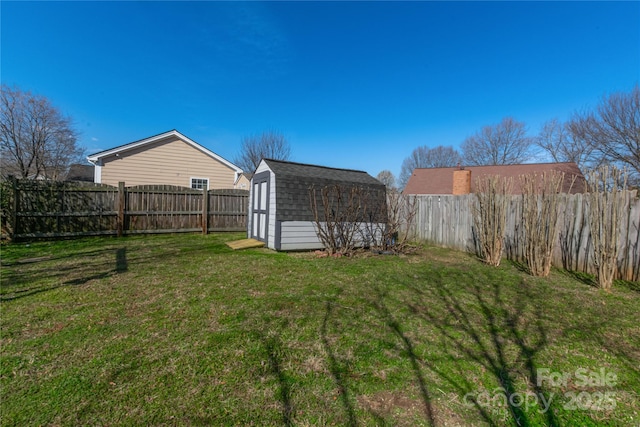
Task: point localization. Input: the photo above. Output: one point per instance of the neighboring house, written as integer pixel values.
(280, 212)
(169, 158)
(243, 181)
(77, 172)
(461, 180)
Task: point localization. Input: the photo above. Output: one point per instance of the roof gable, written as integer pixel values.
(440, 180)
(149, 142)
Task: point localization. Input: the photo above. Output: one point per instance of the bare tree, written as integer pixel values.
(606, 202)
(386, 177)
(563, 145)
(506, 143)
(36, 139)
(541, 201)
(401, 213)
(490, 216)
(268, 145)
(425, 157)
(612, 131)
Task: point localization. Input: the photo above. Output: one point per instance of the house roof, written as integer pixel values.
(78, 172)
(95, 158)
(316, 172)
(440, 180)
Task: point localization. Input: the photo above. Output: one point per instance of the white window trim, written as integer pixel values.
(198, 177)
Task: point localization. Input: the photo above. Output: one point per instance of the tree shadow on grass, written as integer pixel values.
(337, 369)
(18, 284)
(586, 278)
(408, 347)
(273, 349)
(501, 335)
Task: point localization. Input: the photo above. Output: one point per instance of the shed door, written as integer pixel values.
(260, 208)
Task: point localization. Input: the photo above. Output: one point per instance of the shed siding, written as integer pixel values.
(172, 162)
(272, 212)
(301, 235)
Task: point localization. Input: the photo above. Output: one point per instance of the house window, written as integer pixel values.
(200, 183)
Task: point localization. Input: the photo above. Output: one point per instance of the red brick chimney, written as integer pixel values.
(461, 182)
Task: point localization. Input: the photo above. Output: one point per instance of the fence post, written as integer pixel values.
(205, 211)
(121, 201)
(14, 208)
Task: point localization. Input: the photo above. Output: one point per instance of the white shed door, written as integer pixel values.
(259, 211)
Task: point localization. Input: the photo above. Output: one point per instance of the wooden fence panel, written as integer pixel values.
(162, 208)
(228, 210)
(448, 221)
(54, 209)
(50, 209)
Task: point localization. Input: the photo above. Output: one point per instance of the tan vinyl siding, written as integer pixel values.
(171, 161)
(243, 183)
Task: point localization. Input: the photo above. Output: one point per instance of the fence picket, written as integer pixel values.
(447, 220)
(53, 209)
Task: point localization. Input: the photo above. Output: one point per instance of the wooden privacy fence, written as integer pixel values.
(54, 209)
(448, 221)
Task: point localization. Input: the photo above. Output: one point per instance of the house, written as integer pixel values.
(280, 212)
(461, 180)
(169, 158)
(243, 181)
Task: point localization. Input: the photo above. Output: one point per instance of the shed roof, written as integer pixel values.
(320, 173)
(78, 172)
(440, 180)
(296, 181)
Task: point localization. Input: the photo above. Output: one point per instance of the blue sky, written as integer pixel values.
(350, 84)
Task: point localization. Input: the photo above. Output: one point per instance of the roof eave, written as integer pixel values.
(95, 158)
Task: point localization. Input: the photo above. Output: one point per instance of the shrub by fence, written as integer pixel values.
(448, 221)
(33, 209)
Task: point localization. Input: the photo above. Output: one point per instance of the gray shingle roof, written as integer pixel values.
(295, 180)
(315, 172)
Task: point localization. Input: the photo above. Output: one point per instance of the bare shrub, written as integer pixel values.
(347, 217)
(490, 216)
(540, 205)
(606, 203)
(338, 214)
(391, 222)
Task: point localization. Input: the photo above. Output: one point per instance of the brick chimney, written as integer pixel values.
(461, 182)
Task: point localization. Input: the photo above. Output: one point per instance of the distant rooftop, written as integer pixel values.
(440, 180)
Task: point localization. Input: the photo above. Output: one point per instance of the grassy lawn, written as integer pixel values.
(180, 330)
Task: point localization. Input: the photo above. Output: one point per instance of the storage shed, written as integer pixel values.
(280, 207)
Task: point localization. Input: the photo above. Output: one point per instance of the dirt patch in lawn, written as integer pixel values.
(404, 411)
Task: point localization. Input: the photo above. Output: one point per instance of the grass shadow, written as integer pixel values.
(273, 350)
(13, 285)
(628, 284)
(586, 278)
(503, 336)
(336, 368)
(409, 349)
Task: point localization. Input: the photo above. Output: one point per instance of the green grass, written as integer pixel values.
(180, 330)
